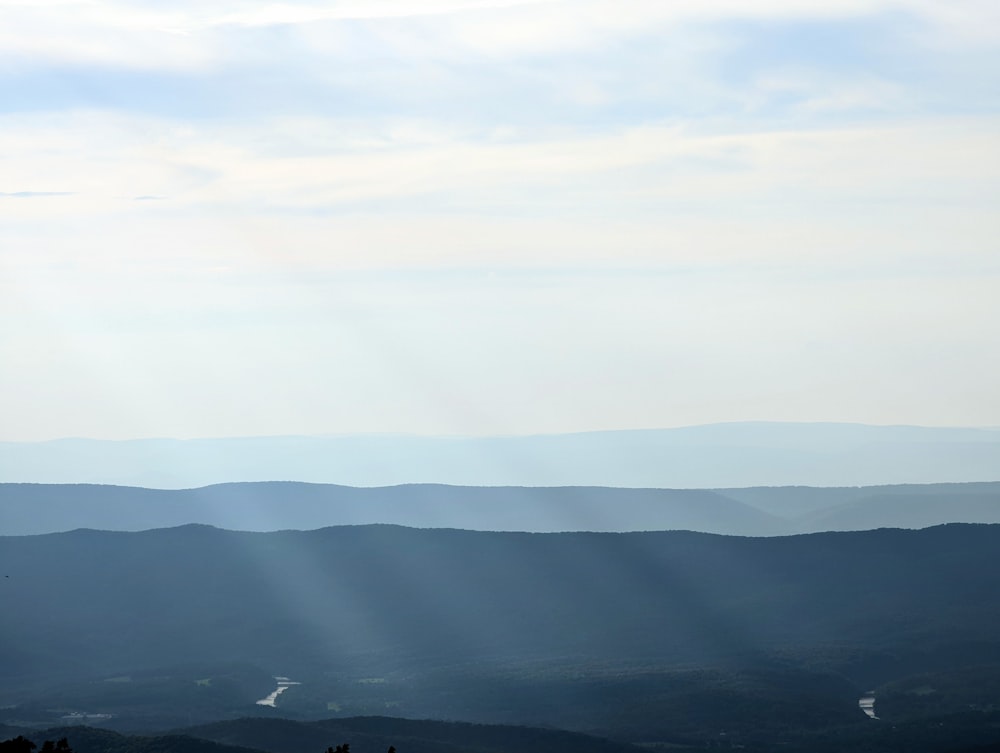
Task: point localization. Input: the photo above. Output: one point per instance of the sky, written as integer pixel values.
(483, 217)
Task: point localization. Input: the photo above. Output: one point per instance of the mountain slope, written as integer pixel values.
(114, 601)
(922, 511)
(644, 635)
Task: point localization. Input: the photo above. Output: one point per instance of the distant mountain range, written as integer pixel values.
(711, 456)
(269, 506)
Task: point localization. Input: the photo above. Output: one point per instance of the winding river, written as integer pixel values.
(866, 702)
(283, 684)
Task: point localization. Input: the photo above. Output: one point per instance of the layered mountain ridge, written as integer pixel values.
(268, 506)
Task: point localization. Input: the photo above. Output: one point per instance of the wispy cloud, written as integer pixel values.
(189, 36)
(594, 199)
(33, 194)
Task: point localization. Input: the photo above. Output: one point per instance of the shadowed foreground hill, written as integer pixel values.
(90, 740)
(950, 734)
(375, 734)
(365, 735)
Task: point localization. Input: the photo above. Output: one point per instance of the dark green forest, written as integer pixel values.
(656, 640)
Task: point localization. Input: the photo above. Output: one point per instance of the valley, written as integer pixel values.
(653, 638)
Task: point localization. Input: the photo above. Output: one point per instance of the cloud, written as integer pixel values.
(201, 36)
(326, 164)
(889, 202)
(34, 194)
(360, 190)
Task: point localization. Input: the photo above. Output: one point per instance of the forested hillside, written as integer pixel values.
(639, 634)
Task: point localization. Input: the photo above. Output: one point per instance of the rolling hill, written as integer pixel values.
(569, 630)
(269, 506)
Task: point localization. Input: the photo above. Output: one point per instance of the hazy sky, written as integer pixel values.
(483, 217)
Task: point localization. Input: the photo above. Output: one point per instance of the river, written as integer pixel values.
(283, 684)
(867, 704)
